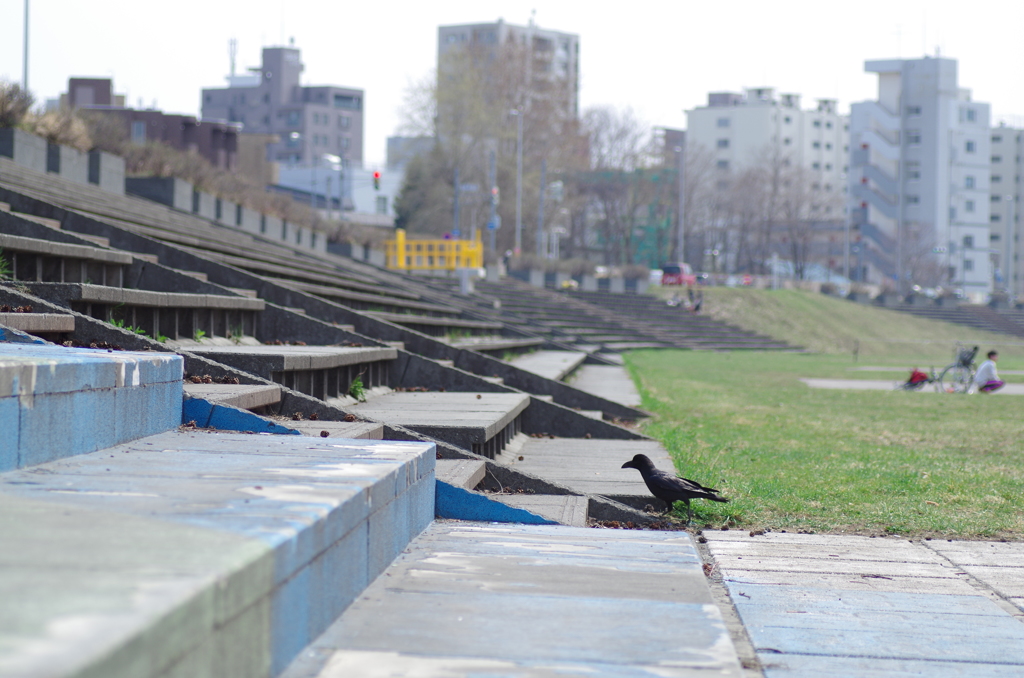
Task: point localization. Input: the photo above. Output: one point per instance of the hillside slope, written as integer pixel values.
(829, 325)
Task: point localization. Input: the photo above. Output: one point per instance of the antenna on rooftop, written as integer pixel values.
(232, 52)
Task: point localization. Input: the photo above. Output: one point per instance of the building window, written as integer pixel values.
(970, 115)
(828, 167)
(723, 143)
(969, 147)
(913, 137)
(968, 182)
(817, 123)
(996, 139)
(138, 132)
(994, 238)
(344, 121)
(722, 122)
(968, 265)
(292, 118)
(787, 120)
(816, 165)
(968, 206)
(382, 204)
(913, 199)
(787, 141)
(816, 144)
(969, 241)
(913, 170)
(722, 164)
(349, 102)
(266, 98)
(828, 147)
(997, 158)
(828, 125)
(997, 178)
(994, 219)
(913, 110)
(344, 143)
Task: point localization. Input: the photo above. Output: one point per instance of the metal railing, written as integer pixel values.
(432, 255)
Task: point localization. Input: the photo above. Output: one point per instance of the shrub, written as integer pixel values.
(15, 103)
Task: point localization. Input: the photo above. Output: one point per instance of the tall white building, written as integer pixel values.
(919, 178)
(1004, 209)
(741, 130)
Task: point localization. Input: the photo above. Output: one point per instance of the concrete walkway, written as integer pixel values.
(878, 385)
(608, 381)
(469, 599)
(858, 606)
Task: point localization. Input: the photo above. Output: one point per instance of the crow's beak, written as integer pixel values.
(628, 464)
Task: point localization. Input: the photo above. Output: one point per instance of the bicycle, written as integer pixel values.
(958, 376)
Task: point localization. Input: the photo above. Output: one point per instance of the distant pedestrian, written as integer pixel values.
(699, 301)
(987, 379)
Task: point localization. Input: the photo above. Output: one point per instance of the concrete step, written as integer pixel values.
(481, 422)
(464, 473)
(320, 371)
(460, 602)
(58, 402)
(36, 323)
(555, 365)
(366, 430)
(198, 554)
(198, 275)
(592, 466)
(242, 396)
(564, 509)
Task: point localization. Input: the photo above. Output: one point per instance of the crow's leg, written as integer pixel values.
(668, 503)
(689, 512)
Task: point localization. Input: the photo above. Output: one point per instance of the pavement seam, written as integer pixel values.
(990, 592)
(749, 661)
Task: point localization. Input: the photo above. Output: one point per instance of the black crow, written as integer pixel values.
(669, 488)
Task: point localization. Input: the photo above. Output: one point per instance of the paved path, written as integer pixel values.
(856, 606)
(878, 385)
(608, 381)
(468, 599)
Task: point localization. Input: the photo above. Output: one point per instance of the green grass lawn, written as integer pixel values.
(869, 462)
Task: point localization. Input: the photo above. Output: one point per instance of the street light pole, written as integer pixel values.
(24, 61)
(681, 212)
(519, 180)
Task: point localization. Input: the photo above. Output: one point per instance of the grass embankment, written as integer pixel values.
(827, 324)
(868, 462)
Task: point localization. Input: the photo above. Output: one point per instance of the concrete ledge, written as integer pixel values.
(58, 402)
(464, 473)
(472, 418)
(38, 322)
(263, 360)
(57, 249)
(242, 396)
(199, 554)
(102, 294)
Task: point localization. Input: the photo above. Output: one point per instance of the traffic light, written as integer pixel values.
(495, 196)
(376, 180)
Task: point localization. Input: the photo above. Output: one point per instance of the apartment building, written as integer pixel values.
(919, 179)
(759, 126)
(311, 121)
(1007, 151)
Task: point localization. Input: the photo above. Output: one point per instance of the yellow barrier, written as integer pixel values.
(433, 255)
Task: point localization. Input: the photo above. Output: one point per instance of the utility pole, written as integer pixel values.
(681, 212)
(455, 211)
(519, 180)
(492, 179)
(541, 240)
(24, 60)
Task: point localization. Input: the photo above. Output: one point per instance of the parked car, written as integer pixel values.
(677, 274)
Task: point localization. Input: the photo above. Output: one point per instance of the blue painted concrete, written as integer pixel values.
(307, 513)
(227, 418)
(457, 503)
(11, 335)
(57, 402)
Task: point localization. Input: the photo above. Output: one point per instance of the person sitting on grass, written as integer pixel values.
(987, 379)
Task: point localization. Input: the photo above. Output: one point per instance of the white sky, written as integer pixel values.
(658, 57)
